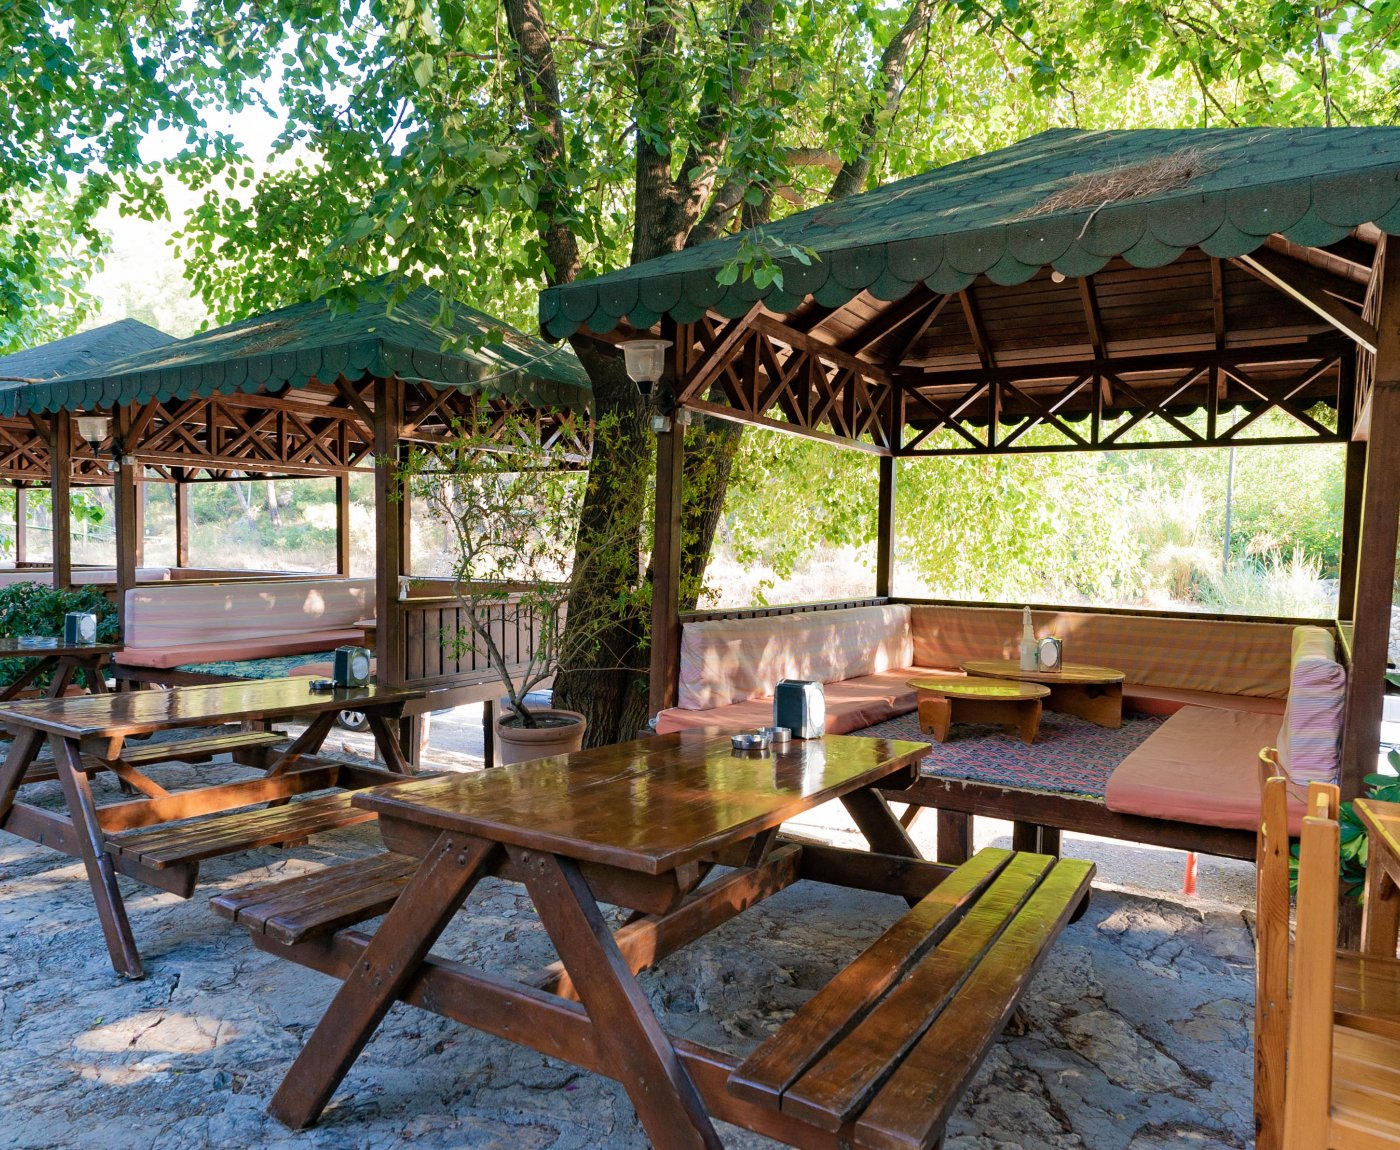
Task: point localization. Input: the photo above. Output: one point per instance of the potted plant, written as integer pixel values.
(507, 499)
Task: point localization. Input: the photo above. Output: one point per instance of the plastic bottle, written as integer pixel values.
(1030, 659)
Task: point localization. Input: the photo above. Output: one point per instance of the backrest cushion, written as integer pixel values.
(1190, 654)
(729, 660)
(173, 614)
(1309, 742)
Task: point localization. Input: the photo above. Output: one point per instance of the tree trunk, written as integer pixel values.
(609, 682)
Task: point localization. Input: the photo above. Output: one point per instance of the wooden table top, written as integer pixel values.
(138, 712)
(647, 805)
(1382, 820)
(10, 648)
(976, 687)
(1084, 673)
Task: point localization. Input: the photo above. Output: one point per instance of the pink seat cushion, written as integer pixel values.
(1201, 766)
(850, 705)
(235, 650)
(1148, 700)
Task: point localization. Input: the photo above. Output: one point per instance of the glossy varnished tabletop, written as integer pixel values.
(12, 648)
(648, 805)
(139, 712)
(1077, 673)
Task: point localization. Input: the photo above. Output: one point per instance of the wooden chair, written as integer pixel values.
(1327, 1041)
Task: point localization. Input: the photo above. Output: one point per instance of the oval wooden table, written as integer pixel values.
(1015, 706)
(1092, 693)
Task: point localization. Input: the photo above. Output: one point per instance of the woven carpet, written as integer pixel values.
(1070, 756)
(277, 667)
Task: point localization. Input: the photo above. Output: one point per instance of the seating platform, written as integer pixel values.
(882, 1054)
(209, 836)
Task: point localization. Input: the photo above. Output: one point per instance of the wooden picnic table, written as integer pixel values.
(640, 825)
(161, 837)
(1380, 911)
(64, 660)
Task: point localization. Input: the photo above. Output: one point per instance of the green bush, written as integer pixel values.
(38, 609)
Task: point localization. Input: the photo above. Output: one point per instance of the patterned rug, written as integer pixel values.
(1070, 756)
(278, 667)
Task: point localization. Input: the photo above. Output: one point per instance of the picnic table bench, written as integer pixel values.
(879, 1058)
(161, 837)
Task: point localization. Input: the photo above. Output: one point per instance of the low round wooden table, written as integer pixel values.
(1015, 706)
(1093, 693)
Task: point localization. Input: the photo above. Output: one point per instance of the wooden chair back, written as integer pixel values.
(1293, 1029)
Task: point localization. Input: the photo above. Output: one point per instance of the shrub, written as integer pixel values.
(37, 609)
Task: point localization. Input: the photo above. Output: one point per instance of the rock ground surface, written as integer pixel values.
(1138, 1037)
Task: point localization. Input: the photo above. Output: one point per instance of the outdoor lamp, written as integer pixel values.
(646, 360)
(94, 428)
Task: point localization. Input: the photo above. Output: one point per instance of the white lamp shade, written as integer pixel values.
(93, 428)
(645, 358)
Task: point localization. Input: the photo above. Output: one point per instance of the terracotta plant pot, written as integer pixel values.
(517, 744)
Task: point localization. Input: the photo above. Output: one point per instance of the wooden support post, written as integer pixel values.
(391, 537)
(1375, 576)
(21, 525)
(884, 541)
(126, 497)
(666, 568)
(61, 491)
(342, 524)
(139, 552)
(1351, 528)
(1375, 555)
(182, 523)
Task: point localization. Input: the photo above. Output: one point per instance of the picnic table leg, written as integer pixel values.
(638, 1052)
(872, 815)
(306, 743)
(17, 760)
(388, 964)
(390, 749)
(102, 876)
(28, 676)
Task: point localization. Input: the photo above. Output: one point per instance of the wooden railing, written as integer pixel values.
(785, 609)
(430, 624)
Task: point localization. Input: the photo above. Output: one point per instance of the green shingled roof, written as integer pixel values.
(87, 351)
(947, 226)
(294, 345)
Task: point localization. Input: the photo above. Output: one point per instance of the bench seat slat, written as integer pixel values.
(289, 910)
(210, 836)
(184, 750)
(910, 1111)
(844, 1078)
(829, 1016)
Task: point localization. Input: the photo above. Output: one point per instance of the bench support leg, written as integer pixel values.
(1035, 838)
(954, 843)
(388, 965)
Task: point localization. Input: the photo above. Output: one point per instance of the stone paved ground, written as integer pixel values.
(1138, 1036)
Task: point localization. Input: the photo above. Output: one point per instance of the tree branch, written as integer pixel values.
(539, 88)
(856, 171)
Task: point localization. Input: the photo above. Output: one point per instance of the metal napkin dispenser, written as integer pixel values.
(800, 706)
(79, 628)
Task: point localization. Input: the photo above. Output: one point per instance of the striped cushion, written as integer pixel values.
(1188, 654)
(172, 615)
(729, 660)
(1309, 742)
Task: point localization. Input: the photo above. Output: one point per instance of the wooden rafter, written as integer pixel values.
(1309, 287)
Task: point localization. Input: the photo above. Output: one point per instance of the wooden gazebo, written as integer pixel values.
(307, 390)
(1101, 290)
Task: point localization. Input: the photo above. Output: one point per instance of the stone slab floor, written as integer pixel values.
(1138, 1037)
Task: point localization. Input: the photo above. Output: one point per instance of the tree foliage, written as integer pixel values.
(489, 149)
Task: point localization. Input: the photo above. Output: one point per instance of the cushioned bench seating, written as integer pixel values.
(1227, 689)
(179, 623)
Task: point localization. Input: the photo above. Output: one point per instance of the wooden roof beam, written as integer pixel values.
(1305, 286)
(974, 326)
(893, 317)
(1094, 321)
